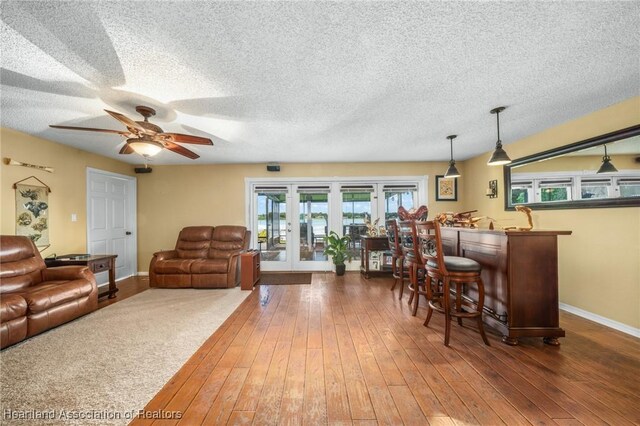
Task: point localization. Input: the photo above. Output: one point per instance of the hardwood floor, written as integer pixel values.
(345, 351)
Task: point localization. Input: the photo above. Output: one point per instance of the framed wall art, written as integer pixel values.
(446, 189)
(32, 211)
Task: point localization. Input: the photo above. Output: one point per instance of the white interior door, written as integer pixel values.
(111, 220)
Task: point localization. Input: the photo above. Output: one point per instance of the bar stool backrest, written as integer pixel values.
(430, 244)
(408, 240)
(392, 235)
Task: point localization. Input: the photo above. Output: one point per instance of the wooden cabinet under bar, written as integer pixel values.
(520, 274)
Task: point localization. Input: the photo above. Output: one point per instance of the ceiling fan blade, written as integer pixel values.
(126, 149)
(180, 150)
(131, 125)
(91, 129)
(182, 138)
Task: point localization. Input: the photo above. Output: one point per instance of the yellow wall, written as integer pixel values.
(600, 262)
(67, 183)
(172, 197)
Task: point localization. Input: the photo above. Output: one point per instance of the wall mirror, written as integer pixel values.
(573, 176)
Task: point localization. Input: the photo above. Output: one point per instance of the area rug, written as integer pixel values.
(283, 278)
(104, 367)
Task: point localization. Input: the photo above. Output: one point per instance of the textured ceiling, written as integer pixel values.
(315, 81)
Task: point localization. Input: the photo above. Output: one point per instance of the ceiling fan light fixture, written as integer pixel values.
(146, 138)
(145, 147)
(452, 171)
(499, 156)
(606, 166)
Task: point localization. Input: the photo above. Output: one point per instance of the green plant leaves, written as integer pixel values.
(338, 248)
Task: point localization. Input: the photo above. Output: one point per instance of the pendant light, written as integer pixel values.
(606, 166)
(499, 156)
(452, 172)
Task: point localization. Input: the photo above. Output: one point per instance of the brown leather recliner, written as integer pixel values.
(34, 298)
(204, 257)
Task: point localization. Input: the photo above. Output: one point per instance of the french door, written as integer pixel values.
(289, 221)
(290, 224)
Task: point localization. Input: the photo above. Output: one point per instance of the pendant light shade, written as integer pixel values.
(452, 171)
(606, 166)
(499, 156)
(145, 147)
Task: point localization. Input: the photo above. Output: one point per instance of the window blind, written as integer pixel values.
(399, 188)
(271, 189)
(356, 188)
(322, 189)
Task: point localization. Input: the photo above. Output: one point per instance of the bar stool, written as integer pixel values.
(442, 271)
(413, 261)
(397, 257)
(396, 253)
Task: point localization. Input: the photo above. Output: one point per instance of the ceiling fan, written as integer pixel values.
(146, 138)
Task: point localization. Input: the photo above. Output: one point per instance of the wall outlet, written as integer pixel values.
(74, 217)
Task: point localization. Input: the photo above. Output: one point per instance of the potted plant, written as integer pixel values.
(338, 248)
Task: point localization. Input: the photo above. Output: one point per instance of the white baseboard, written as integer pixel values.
(143, 274)
(601, 320)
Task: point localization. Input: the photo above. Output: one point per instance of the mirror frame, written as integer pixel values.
(576, 146)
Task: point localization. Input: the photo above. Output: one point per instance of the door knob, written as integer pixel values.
(127, 233)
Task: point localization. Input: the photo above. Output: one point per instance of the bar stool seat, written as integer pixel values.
(441, 272)
(458, 264)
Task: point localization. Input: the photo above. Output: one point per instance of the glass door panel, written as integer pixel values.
(356, 211)
(398, 196)
(312, 227)
(273, 227)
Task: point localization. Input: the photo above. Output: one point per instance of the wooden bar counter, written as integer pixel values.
(520, 274)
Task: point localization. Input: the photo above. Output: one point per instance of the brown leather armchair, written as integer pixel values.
(34, 298)
(204, 257)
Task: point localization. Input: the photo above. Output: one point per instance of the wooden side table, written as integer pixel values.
(96, 263)
(249, 269)
(372, 244)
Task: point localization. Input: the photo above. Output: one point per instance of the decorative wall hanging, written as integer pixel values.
(446, 188)
(32, 211)
(11, 162)
(492, 191)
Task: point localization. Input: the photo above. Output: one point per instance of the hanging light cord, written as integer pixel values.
(451, 144)
(499, 143)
